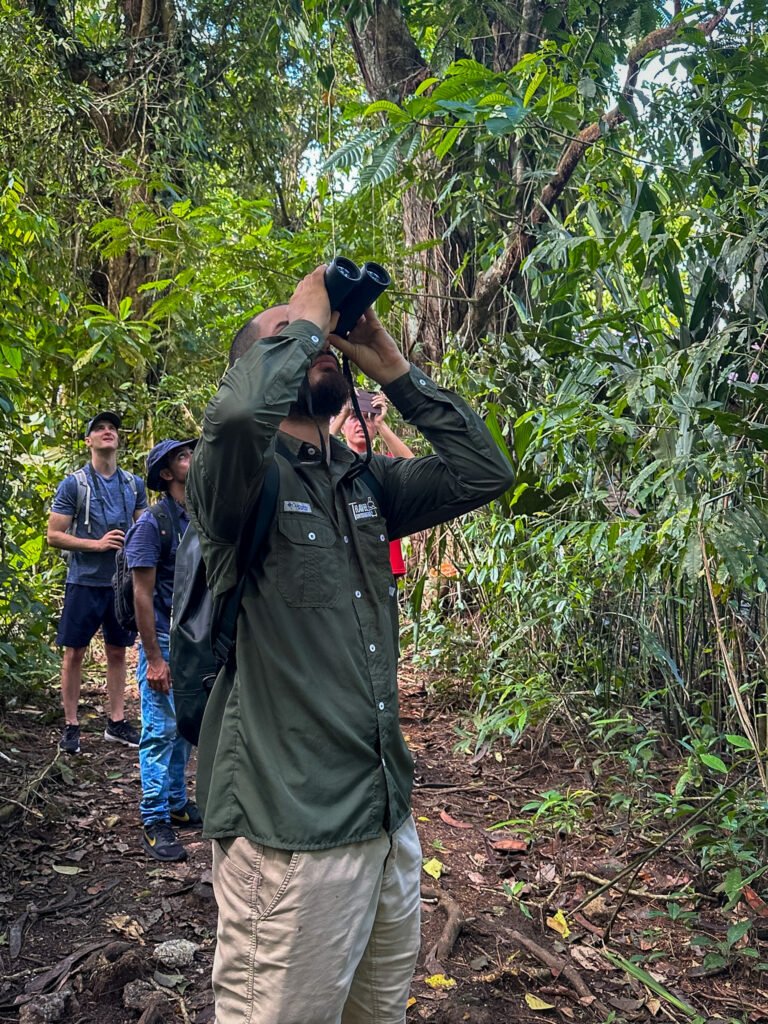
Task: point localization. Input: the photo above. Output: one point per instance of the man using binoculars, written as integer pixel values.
(303, 771)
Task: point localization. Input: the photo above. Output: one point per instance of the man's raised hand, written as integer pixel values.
(371, 348)
(310, 301)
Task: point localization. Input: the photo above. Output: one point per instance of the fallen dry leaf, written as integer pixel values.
(599, 908)
(547, 873)
(510, 845)
(433, 867)
(476, 878)
(126, 926)
(588, 958)
(559, 924)
(755, 903)
(453, 822)
(534, 1003)
(439, 981)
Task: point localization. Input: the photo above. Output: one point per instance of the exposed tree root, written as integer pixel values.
(455, 921)
(560, 967)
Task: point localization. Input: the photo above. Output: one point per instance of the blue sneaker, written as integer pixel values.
(187, 816)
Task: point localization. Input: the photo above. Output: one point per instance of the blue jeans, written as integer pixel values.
(163, 754)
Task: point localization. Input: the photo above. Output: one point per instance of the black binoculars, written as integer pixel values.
(352, 289)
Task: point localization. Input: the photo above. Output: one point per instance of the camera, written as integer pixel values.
(352, 289)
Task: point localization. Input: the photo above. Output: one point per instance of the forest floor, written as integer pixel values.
(509, 931)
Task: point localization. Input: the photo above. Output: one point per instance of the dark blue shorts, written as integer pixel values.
(85, 609)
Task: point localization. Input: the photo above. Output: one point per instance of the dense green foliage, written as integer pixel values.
(580, 249)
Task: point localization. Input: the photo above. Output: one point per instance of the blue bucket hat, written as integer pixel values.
(158, 460)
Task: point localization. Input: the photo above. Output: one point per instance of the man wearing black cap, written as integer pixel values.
(150, 550)
(91, 511)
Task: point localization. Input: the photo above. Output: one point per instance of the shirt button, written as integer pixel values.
(372, 648)
(381, 705)
(422, 381)
(311, 451)
(315, 340)
(382, 537)
(346, 540)
(312, 536)
(358, 594)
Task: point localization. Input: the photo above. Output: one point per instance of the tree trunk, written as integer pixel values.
(392, 66)
(151, 34)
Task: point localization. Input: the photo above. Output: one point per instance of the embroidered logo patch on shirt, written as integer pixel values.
(364, 509)
(296, 506)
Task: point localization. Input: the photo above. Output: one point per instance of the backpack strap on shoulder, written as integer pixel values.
(224, 624)
(83, 499)
(164, 512)
(130, 479)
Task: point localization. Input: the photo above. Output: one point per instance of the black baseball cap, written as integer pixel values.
(110, 417)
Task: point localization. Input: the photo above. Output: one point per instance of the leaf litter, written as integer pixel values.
(87, 906)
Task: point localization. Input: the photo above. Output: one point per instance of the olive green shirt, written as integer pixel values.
(301, 745)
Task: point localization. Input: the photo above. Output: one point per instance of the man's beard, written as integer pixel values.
(322, 399)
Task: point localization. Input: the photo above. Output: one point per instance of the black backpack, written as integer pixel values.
(122, 580)
(203, 630)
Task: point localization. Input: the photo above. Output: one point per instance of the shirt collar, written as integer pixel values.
(309, 452)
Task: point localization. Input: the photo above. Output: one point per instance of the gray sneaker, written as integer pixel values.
(121, 732)
(70, 739)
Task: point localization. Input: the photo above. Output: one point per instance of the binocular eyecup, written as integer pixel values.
(352, 289)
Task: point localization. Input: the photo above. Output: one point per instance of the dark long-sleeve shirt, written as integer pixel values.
(301, 745)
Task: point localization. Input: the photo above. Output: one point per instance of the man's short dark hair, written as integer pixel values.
(248, 335)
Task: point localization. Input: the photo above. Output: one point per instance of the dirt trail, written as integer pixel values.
(82, 909)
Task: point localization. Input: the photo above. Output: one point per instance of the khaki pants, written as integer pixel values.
(316, 937)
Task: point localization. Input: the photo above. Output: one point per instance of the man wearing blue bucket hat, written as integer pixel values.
(150, 550)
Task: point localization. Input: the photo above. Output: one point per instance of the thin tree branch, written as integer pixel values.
(522, 240)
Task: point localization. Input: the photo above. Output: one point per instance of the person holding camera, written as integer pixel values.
(91, 511)
(372, 424)
(303, 773)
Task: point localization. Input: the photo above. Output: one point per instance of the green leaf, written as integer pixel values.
(650, 982)
(446, 142)
(533, 85)
(713, 762)
(88, 355)
(740, 742)
(385, 107)
(737, 931)
(13, 355)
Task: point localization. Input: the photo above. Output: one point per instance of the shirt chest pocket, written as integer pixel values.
(307, 561)
(374, 547)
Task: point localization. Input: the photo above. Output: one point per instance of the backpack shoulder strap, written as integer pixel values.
(224, 625)
(165, 521)
(130, 479)
(83, 499)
